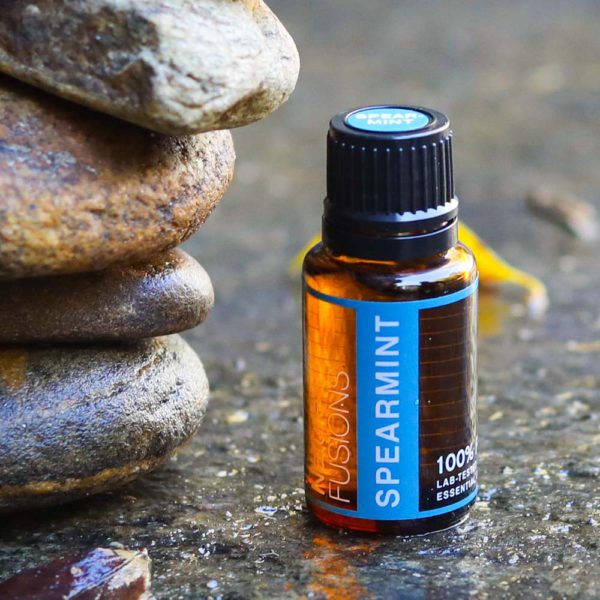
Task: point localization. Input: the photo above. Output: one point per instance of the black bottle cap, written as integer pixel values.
(390, 187)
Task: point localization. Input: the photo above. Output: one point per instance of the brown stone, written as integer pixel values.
(75, 421)
(82, 191)
(566, 210)
(178, 67)
(169, 294)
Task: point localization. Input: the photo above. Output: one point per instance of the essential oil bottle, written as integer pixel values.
(390, 316)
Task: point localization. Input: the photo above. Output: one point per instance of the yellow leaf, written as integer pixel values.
(296, 262)
(493, 269)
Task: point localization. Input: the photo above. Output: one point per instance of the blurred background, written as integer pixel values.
(520, 82)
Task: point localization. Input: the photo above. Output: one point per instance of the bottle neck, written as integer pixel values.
(406, 239)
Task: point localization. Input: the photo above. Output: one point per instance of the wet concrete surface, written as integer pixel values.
(225, 519)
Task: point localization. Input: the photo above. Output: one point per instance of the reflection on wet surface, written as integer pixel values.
(534, 531)
(331, 568)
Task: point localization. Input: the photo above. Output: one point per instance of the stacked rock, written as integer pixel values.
(95, 387)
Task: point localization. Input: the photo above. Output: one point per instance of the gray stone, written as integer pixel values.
(82, 191)
(75, 421)
(177, 66)
(171, 293)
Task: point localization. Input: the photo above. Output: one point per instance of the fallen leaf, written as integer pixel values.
(106, 573)
(494, 270)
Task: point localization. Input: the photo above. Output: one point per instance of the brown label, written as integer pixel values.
(447, 403)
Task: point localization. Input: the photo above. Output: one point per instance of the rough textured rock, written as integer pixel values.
(176, 66)
(77, 421)
(82, 191)
(169, 294)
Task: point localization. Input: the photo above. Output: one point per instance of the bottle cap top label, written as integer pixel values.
(388, 119)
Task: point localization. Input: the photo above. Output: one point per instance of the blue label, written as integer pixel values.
(411, 462)
(388, 119)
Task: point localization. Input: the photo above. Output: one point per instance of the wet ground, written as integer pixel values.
(521, 82)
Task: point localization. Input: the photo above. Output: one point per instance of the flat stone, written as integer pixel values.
(75, 421)
(82, 191)
(171, 293)
(178, 66)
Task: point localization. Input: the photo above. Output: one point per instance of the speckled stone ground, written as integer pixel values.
(521, 82)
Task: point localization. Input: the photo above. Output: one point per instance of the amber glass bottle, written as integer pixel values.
(389, 331)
